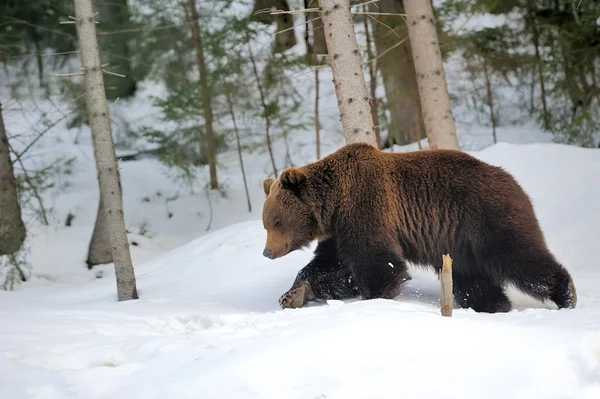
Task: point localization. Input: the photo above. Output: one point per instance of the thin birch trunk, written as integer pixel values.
(239, 148)
(531, 10)
(266, 115)
(490, 98)
(433, 89)
(205, 87)
(350, 87)
(104, 152)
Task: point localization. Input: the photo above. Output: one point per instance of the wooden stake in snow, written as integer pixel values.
(104, 152)
(446, 296)
(433, 89)
(350, 86)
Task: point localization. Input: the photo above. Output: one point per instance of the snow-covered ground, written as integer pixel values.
(208, 323)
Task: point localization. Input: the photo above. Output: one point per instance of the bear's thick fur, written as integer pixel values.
(373, 211)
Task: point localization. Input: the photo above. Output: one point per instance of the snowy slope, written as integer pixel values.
(208, 324)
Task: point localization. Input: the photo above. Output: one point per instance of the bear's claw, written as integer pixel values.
(296, 297)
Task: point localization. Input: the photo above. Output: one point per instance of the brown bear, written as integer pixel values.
(372, 212)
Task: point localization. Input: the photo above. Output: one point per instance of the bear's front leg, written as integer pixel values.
(323, 278)
(378, 269)
(297, 297)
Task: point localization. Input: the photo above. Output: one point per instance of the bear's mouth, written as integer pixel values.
(286, 251)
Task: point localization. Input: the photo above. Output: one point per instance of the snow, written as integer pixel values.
(208, 323)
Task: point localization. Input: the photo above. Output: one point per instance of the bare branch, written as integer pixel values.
(114, 73)
(62, 75)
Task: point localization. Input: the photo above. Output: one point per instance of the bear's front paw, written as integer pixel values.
(296, 297)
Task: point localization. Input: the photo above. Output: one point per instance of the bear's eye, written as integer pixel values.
(277, 223)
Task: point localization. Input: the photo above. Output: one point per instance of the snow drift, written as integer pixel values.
(208, 324)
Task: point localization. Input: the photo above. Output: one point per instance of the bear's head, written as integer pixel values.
(288, 219)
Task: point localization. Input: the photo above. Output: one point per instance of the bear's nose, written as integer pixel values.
(268, 253)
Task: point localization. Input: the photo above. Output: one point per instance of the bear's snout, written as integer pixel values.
(267, 253)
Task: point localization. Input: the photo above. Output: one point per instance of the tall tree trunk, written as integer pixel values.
(239, 147)
(12, 228)
(206, 88)
(318, 45)
(99, 251)
(104, 152)
(398, 72)
(314, 49)
(490, 98)
(114, 15)
(531, 11)
(285, 22)
(349, 81)
(317, 121)
(433, 89)
(266, 115)
(372, 83)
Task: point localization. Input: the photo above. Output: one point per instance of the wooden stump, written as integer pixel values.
(446, 296)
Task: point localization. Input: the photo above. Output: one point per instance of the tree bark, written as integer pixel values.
(433, 89)
(267, 117)
(317, 121)
(350, 87)
(318, 45)
(490, 98)
(372, 83)
(99, 252)
(104, 152)
(285, 22)
(206, 88)
(239, 147)
(12, 228)
(398, 72)
(114, 15)
(531, 11)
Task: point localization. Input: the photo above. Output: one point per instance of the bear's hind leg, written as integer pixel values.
(323, 278)
(479, 292)
(564, 294)
(543, 278)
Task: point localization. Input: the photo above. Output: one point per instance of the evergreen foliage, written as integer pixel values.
(549, 51)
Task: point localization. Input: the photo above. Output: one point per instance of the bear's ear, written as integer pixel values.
(292, 179)
(267, 185)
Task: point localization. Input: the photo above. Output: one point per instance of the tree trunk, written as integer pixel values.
(239, 147)
(398, 72)
(531, 11)
(265, 110)
(318, 45)
(317, 121)
(372, 83)
(433, 89)
(99, 252)
(350, 88)
(490, 98)
(104, 152)
(285, 22)
(12, 228)
(206, 88)
(114, 15)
